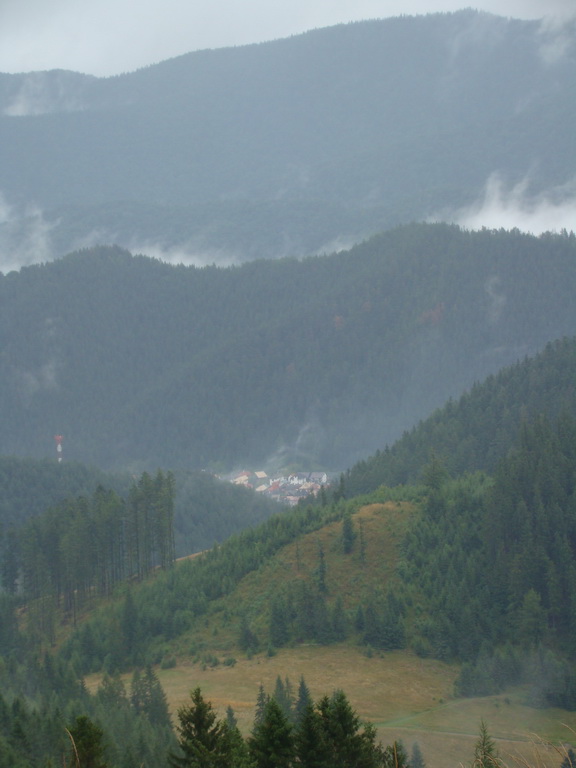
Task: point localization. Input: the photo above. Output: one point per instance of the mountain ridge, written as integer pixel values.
(139, 363)
(373, 123)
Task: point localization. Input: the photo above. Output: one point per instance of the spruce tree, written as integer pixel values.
(302, 700)
(416, 757)
(312, 750)
(352, 742)
(261, 700)
(271, 744)
(394, 756)
(485, 751)
(348, 534)
(284, 696)
(203, 739)
(87, 744)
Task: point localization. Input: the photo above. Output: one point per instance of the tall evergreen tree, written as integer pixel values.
(87, 744)
(348, 534)
(284, 696)
(312, 750)
(203, 739)
(261, 700)
(353, 744)
(416, 757)
(485, 751)
(271, 744)
(394, 756)
(302, 700)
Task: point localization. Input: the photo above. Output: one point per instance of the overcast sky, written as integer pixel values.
(106, 37)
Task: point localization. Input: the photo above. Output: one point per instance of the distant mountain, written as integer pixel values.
(287, 147)
(316, 362)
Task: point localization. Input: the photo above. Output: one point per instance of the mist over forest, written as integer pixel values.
(296, 146)
(347, 254)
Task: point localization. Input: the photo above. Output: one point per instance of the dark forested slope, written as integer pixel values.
(206, 510)
(336, 133)
(476, 431)
(141, 364)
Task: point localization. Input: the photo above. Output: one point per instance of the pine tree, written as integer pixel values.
(271, 744)
(261, 700)
(485, 751)
(284, 696)
(310, 745)
(87, 744)
(416, 757)
(204, 740)
(352, 743)
(247, 639)
(303, 699)
(157, 703)
(231, 720)
(348, 534)
(339, 621)
(394, 756)
(320, 571)
(279, 630)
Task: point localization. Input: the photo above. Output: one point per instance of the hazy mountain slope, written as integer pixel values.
(477, 431)
(29, 487)
(206, 510)
(323, 360)
(392, 120)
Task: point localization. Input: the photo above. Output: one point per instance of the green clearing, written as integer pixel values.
(406, 697)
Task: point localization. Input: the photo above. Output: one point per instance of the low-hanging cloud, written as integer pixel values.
(184, 254)
(558, 37)
(25, 236)
(501, 207)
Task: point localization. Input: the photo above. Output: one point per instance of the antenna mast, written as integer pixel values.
(58, 439)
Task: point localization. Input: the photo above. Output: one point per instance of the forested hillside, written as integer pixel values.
(285, 147)
(91, 585)
(321, 361)
(476, 431)
(36, 495)
(28, 487)
(401, 568)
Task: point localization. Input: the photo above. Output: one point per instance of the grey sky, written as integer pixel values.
(105, 37)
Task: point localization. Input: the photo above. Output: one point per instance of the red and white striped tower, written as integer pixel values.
(58, 439)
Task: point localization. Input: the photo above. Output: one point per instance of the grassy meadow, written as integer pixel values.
(405, 696)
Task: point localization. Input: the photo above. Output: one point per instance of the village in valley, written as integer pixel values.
(286, 489)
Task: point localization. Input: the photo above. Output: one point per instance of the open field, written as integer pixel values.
(406, 697)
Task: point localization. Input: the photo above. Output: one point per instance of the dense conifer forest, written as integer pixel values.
(475, 431)
(311, 363)
(430, 370)
(98, 573)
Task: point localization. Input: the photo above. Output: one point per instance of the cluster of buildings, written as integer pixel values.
(286, 489)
